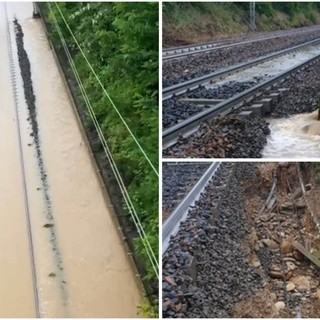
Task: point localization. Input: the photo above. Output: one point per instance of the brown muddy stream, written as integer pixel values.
(297, 136)
(82, 268)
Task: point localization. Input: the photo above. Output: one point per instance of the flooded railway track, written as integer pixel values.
(278, 120)
(273, 85)
(57, 222)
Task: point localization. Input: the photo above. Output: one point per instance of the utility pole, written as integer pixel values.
(252, 21)
(36, 13)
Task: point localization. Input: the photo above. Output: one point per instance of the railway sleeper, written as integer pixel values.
(265, 105)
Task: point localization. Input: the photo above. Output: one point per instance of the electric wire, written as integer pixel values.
(106, 93)
(128, 201)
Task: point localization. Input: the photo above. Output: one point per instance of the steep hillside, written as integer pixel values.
(192, 22)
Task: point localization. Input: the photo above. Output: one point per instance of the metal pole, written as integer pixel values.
(253, 15)
(36, 13)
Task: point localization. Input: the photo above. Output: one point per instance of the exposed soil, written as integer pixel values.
(226, 137)
(244, 262)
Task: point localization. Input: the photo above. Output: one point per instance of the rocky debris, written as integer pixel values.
(237, 258)
(291, 277)
(280, 305)
(178, 180)
(302, 283)
(224, 275)
(226, 137)
(286, 246)
(190, 67)
(290, 286)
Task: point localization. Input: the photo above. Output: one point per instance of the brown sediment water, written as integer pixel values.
(82, 266)
(295, 137)
(15, 268)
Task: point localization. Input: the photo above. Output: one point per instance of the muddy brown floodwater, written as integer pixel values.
(295, 137)
(82, 268)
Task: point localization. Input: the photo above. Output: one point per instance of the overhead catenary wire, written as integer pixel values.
(106, 93)
(128, 201)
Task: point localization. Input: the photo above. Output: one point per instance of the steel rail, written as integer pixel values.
(239, 38)
(171, 225)
(188, 126)
(22, 168)
(178, 52)
(183, 87)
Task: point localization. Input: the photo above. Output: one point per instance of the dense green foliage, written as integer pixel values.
(188, 22)
(308, 9)
(120, 39)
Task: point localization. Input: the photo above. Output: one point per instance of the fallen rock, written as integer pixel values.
(290, 286)
(276, 274)
(286, 247)
(291, 265)
(279, 305)
(273, 296)
(178, 307)
(168, 305)
(170, 281)
(302, 283)
(271, 244)
(255, 261)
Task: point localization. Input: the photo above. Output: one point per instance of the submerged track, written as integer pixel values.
(57, 221)
(21, 156)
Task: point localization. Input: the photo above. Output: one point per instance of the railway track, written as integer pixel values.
(255, 254)
(188, 86)
(178, 179)
(189, 126)
(13, 74)
(180, 70)
(50, 260)
(171, 225)
(178, 52)
(20, 73)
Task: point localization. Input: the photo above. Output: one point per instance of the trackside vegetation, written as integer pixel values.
(120, 39)
(191, 22)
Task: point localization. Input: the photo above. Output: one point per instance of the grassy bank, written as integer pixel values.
(192, 22)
